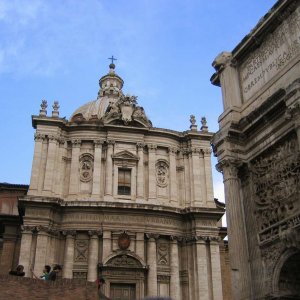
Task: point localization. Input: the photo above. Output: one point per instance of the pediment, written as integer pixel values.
(125, 155)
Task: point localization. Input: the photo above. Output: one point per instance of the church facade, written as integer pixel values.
(112, 196)
(258, 146)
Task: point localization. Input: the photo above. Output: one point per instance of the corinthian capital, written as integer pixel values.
(76, 143)
(152, 147)
(229, 168)
(39, 137)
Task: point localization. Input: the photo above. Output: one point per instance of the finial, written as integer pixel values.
(55, 112)
(112, 65)
(204, 127)
(193, 122)
(43, 110)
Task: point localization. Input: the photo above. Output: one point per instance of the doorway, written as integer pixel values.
(122, 291)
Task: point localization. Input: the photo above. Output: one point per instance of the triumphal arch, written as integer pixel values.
(257, 147)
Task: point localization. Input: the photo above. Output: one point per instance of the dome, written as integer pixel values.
(111, 105)
(110, 90)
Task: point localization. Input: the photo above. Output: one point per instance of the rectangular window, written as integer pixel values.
(124, 181)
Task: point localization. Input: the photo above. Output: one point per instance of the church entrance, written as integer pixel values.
(289, 280)
(122, 291)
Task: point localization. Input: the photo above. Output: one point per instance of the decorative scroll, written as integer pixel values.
(86, 167)
(276, 183)
(162, 173)
(81, 251)
(123, 261)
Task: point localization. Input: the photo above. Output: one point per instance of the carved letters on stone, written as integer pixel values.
(277, 50)
(86, 167)
(162, 173)
(276, 183)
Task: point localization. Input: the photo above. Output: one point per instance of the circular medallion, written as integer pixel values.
(124, 241)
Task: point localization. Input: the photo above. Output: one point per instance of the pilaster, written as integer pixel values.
(208, 176)
(96, 192)
(41, 249)
(202, 270)
(69, 254)
(74, 171)
(25, 250)
(174, 282)
(173, 177)
(229, 80)
(196, 176)
(140, 245)
(106, 244)
(109, 168)
(51, 157)
(151, 166)
(36, 163)
(140, 171)
(152, 263)
(216, 268)
(93, 255)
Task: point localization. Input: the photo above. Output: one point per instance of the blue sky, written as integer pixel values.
(58, 50)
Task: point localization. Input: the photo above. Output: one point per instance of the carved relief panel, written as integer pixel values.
(162, 173)
(163, 252)
(86, 167)
(81, 251)
(276, 184)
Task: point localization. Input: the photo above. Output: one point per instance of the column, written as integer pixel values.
(97, 169)
(109, 168)
(106, 251)
(35, 172)
(173, 175)
(51, 156)
(140, 245)
(208, 176)
(140, 171)
(74, 171)
(25, 250)
(69, 254)
(93, 255)
(236, 231)
(216, 268)
(41, 258)
(202, 269)
(174, 261)
(151, 168)
(152, 263)
(196, 178)
(203, 184)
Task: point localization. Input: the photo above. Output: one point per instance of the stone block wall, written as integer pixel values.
(20, 288)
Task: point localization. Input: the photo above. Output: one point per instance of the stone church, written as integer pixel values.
(258, 150)
(110, 195)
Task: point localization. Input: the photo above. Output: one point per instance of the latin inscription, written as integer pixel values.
(276, 52)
